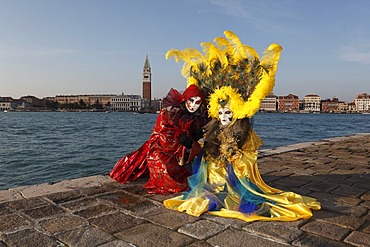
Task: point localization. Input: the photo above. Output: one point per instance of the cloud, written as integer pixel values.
(358, 53)
(257, 13)
(23, 52)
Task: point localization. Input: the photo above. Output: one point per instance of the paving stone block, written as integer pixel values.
(366, 196)
(159, 198)
(358, 239)
(172, 219)
(367, 217)
(84, 182)
(361, 184)
(350, 191)
(347, 221)
(95, 210)
(149, 235)
(145, 207)
(116, 222)
(292, 181)
(40, 189)
(270, 179)
(30, 237)
(43, 212)
(227, 222)
(117, 243)
(280, 231)
(64, 196)
(5, 209)
(27, 203)
(335, 203)
(367, 228)
(362, 178)
(282, 174)
(199, 244)
(62, 223)
(9, 195)
(304, 171)
(12, 222)
(201, 229)
(121, 199)
(320, 186)
(136, 189)
(356, 211)
(339, 179)
(100, 189)
(322, 172)
(81, 203)
(365, 204)
(135, 204)
(307, 240)
(236, 238)
(325, 230)
(85, 236)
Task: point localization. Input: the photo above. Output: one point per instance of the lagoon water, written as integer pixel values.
(38, 147)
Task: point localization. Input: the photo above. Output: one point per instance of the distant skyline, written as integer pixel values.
(50, 47)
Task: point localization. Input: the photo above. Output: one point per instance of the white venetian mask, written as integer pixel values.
(193, 104)
(225, 115)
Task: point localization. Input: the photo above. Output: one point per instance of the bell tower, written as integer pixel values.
(147, 81)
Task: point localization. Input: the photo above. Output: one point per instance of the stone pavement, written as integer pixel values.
(97, 211)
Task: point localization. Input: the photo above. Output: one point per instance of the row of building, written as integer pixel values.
(136, 103)
(111, 102)
(313, 103)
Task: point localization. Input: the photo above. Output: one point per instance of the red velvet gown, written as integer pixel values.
(163, 155)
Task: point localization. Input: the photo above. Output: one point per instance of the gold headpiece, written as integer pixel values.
(230, 63)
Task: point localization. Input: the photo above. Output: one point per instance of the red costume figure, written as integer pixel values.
(172, 144)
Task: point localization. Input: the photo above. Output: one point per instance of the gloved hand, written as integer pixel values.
(186, 140)
(197, 134)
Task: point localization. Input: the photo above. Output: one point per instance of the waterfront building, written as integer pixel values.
(103, 99)
(268, 104)
(301, 105)
(157, 104)
(147, 82)
(33, 101)
(352, 107)
(5, 105)
(343, 107)
(362, 102)
(131, 102)
(289, 103)
(311, 103)
(330, 105)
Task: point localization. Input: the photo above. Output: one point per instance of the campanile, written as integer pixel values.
(147, 81)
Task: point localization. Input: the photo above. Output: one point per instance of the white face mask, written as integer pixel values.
(225, 115)
(193, 104)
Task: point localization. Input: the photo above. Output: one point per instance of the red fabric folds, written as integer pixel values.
(162, 155)
(132, 166)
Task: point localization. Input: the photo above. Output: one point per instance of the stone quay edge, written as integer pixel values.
(97, 211)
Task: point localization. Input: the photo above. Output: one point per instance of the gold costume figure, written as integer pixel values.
(226, 180)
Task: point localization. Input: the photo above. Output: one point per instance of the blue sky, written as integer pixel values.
(50, 47)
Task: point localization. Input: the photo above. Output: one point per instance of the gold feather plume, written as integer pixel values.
(190, 56)
(238, 51)
(229, 63)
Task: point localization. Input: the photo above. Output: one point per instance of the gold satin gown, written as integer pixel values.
(231, 186)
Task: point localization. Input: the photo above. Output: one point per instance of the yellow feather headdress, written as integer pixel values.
(233, 67)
